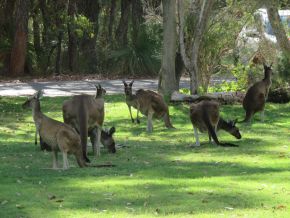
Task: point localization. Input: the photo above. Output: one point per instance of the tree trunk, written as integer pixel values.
(111, 20)
(179, 68)
(277, 26)
(137, 19)
(72, 39)
(59, 7)
(191, 64)
(7, 19)
(36, 34)
(122, 30)
(18, 53)
(91, 9)
(167, 79)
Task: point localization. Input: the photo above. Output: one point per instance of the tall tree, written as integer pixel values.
(277, 26)
(167, 80)
(72, 38)
(137, 19)
(111, 20)
(202, 12)
(122, 30)
(18, 52)
(91, 9)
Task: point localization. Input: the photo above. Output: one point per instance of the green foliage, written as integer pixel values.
(143, 58)
(184, 91)
(156, 175)
(283, 67)
(83, 27)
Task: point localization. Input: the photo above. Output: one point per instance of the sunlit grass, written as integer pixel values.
(155, 175)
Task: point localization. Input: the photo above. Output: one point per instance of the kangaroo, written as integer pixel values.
(149, 103)
(86, 115)
(56, 135)
(230, 127)
(257, 95)
(205, 117)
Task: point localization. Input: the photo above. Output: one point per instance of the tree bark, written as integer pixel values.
(72, 39)
(167, 79)
(36, 34)
(18, 53)
(122, 30)
(277, 26)
(91, 9)
(111, 20)
(137, 20)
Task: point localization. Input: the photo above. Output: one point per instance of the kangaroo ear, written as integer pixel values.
(124, 82)
(112, 130)
(271, 65)
(38, 94)
(265, 65)
(131, 83)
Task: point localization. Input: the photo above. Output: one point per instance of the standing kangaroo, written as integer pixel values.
(56, 135)
(205, 117)
(149, 103)
(257, 95)
(86, 114)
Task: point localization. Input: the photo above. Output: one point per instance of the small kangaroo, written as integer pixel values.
(86, 115)
(257, 95)
(205, 117)
(149, 103)
(56, 135)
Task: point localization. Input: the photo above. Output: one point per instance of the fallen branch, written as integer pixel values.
(222, 97)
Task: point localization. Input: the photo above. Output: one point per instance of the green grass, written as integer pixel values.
(156, 175)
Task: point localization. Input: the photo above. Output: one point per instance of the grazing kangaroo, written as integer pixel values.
(205, 117)
(228, 126)
(86, 114)
(56, 135)
(257, 95)
(149, 103)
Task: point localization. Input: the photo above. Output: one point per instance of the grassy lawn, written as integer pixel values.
(156, 174)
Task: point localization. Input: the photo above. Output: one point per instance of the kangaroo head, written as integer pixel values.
(108, 140)
(268, 69)
(100, 91)
(128, 87)
(32, 100)
(233, 129)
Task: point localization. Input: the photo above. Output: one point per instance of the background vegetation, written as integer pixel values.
(123, 38)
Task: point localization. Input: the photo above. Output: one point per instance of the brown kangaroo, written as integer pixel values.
(230, 127)
(205, 117)
(56, 135)
(149, 103)
(257, 95)
(86, 114)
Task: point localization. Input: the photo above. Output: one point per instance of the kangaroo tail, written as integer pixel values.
(83, 122)
(81, 162)
(210, 127)
(212, 131)
(167, 120)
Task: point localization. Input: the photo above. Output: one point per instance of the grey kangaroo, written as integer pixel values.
(257, 95)
(58, 136)
(149, 103)
(86, 114)
(205, 117)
